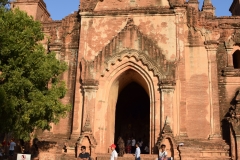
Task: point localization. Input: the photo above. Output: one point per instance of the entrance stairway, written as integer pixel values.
(128, 157)
(106, 156)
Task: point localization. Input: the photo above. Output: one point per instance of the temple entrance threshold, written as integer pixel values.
(133, 114)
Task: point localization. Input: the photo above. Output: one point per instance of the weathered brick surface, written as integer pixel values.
(181, 56)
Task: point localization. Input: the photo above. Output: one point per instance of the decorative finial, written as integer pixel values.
(87, 126)
(207, 3)
(208, 7)
(194, 3)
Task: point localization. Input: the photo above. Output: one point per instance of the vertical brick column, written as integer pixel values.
(180, 121)
(56, 47)
(166, 109)
(211, 47)
(229, 49)
(86, 108)
(90, 88)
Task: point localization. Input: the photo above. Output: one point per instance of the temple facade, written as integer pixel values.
(162, 71)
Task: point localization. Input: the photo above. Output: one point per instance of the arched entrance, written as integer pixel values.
(133, 114)
(118, 77)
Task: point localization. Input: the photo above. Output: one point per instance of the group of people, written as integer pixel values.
(130, 147)
(3, 149)
(114, 155)
(162, 152)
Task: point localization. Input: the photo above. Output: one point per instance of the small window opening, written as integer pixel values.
(236, 59)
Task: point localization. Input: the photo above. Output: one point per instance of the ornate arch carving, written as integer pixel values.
(166, 134)
(87, 133)
(138, 46)
(158, 71)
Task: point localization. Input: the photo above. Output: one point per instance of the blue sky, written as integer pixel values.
(61, 8)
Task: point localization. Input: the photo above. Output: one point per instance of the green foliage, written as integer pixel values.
(3, 3)
(30, 85)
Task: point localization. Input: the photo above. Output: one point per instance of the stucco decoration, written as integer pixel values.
(236, 37)
(166, 134)
(167, 138)
(87, 133)
(130, 42)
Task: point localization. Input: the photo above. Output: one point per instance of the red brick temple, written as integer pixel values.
(158, 70)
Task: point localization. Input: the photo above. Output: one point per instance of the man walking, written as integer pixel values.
(114, 154)
(11, 149)
(137, 152)
(83, 155)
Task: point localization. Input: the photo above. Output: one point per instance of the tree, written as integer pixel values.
(30, 84)
(4, 2)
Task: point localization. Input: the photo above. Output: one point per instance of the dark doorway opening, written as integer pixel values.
(236, 59)
(133, 115)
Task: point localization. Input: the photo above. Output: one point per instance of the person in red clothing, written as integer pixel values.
(5, 145)
(128, 146)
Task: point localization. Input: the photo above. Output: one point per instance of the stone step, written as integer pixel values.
(128, 157)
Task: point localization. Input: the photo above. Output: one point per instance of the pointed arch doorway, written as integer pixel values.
(132, 113)
(122, 74)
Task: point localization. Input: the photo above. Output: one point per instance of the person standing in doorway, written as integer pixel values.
(146, 150)
(129, 144)
(114, 153)
(163, 152)
(137, 152)
(12, 145)
(84, 155)
(133, 145)
(121, 147)
(140, 143)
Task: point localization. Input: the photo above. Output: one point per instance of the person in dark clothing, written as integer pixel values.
(84, 155)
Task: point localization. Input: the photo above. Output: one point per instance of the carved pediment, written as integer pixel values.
(166, 134)
(87, 133)
(130, 42)
(130, 37)
(88, 5)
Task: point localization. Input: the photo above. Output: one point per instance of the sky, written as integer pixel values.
(61, 8)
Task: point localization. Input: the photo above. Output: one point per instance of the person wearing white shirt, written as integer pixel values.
(114, 154)
(163, 152)
(146, 149)
(133, 145)
(137, 152)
